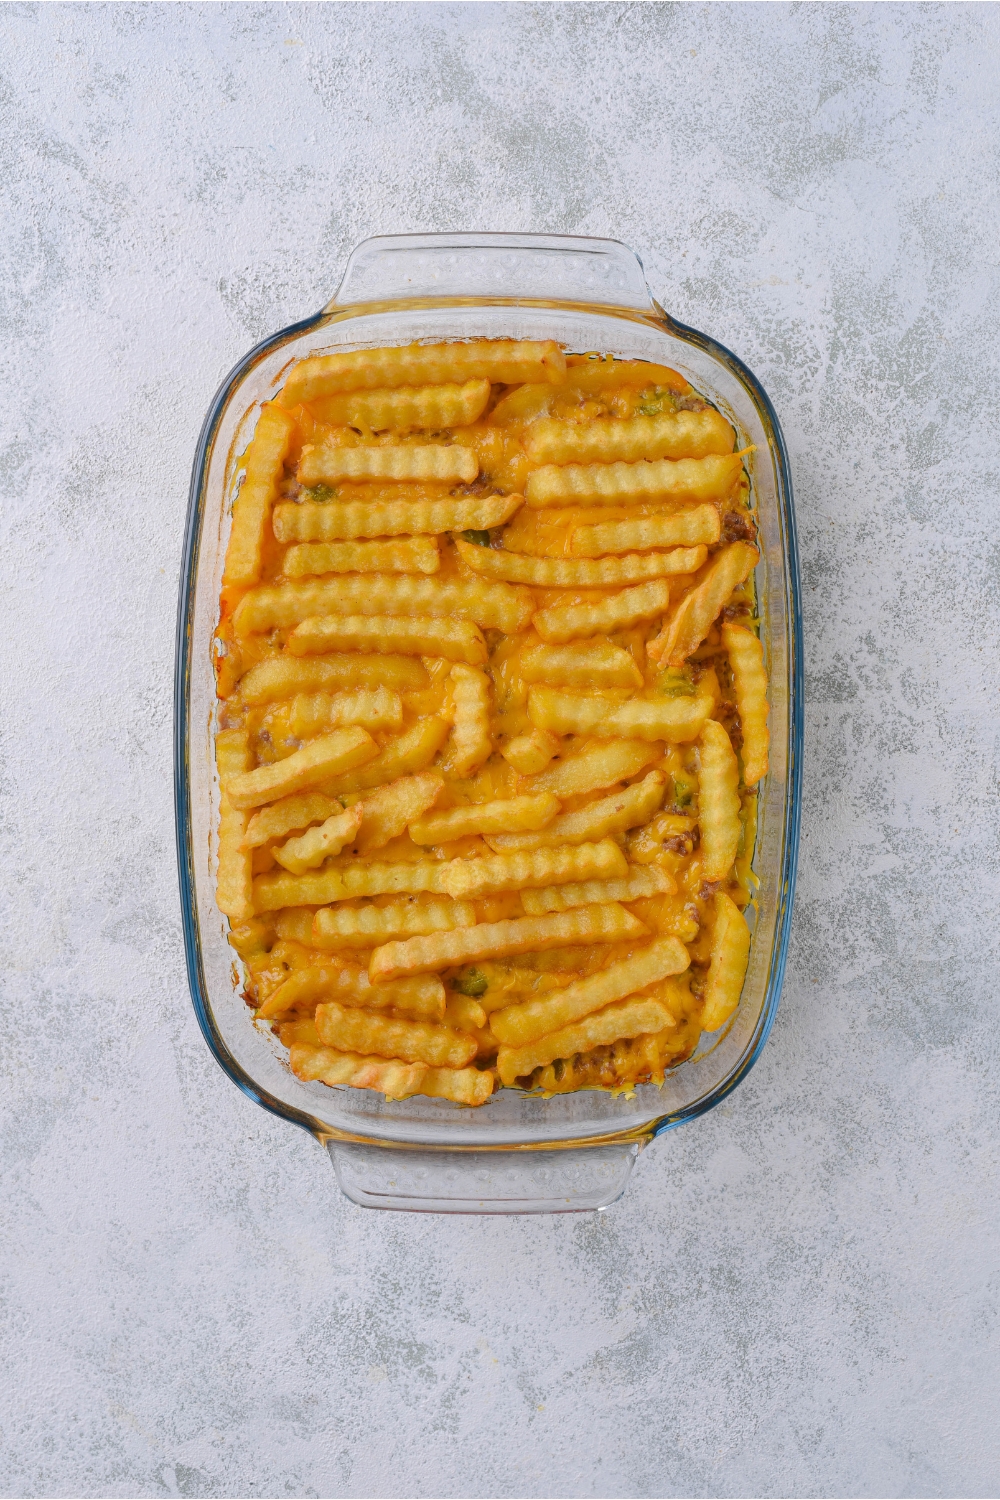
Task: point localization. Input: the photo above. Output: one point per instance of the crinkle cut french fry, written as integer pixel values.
(610, 484)
(718, 802)
(372, 708)
(412, 751)
(303, 769)
(418, 554)
(311, 848)
(642, 881)
(727, 964)
(368, 926)
(471, 743)
(456, 640)
(531, 753)
(596, 767)
(336, 520)
(263, 463)
(527, 812)
(746, 657)
(681, 528)
(497, 605)
(682, 434)
(461, 1085)
(588, 372)
(396, 1080)
(625, 808)
(288, 815)
(284, 676)
(422, 996)
(629, 1018)
(514, 871)
(233, 885)
(412, 1041)
(593, 664)
(675, 720)
(322, 464)
(518, 1025)
(504, 361)
(589, 573)
(387, 811)
(435, 406)
(627, 1062)
(588, 924)
(294, 924)
(564, 622)
(271, 892)
(698, 610)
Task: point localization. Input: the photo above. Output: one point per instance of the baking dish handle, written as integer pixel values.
(528, 268)
(573, 1180)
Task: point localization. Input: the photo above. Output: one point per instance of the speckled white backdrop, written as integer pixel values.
(799, 1294)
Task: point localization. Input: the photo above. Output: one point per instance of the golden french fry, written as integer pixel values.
(746, 657)
(345, 882)
(456, 640)
(727, 965)
(505, 361)
(588, 924)
(596, 372)
(625, 808)
(593, 664)
(681, 528)
(284, 676)
(368, 926)
(566, 572)
(514, 871)
(718, 802)
(697, 611)
(233, 883)
(462, 1012)
(372, 708)
(627, 1062)
(530, 753)
(496, 605)
(435, 406)
(563, 622)
(422, 996)
(263, 464)
(471, 743)
(310, 849)
(596, 767)
(336, 520)
(396, 1080)
(682, 434)
(387, 811)
(642, 881)
(412, 1041)
(322, 464)
(412, 751)
(675, 720)
(485, 817)
(294, 924)
(303, 769)
(610, 484)
(518, 1025)
(629, 1018)
(417, 554)
(462, 1085)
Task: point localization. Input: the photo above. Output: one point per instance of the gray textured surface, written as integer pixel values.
(798, 1295)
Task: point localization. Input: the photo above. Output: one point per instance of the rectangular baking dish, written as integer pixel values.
(518, 1153)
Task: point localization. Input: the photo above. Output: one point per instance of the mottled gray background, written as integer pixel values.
(798, 1295)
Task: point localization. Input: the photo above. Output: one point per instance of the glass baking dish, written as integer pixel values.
(518, 1153)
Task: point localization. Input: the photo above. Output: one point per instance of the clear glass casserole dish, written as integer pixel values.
(519, 1153)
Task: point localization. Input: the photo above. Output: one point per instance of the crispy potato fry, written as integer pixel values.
(627, 1062)
(411, 752)
(566, 572)
(388, 811)
(629, 1018)
(564, 622)
(412, 1041)
(718, 802)
(462, 1085)
(456, 640)
(303, 769)
(263, 464)
(396, 1080)
(471, 744)
(727, 964)
(417, 554)
(422, 996)
(368, 926)
(345, 882)
(698, 610)
(322, 464)
(516, 870)
(593, 664)
(234, 893)
(505, 361)
(610, 484)
(625, 808)
(531, 753)
(588, 924)
(283, 676)
(642, 881)
(372, 708)
(335, 520)
(683, 434)
(490, 604)
(310, 849)
(433, 406)
(675, 720)
(680, 528)
(746, 657)
(519, 1025)
(596, 767)
(526, 812)
(595, 372)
